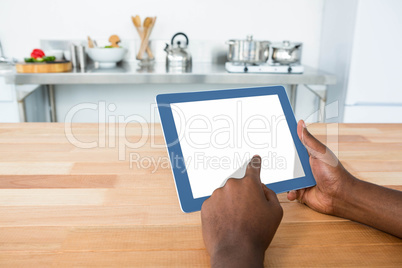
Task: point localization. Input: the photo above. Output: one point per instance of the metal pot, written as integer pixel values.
(286, 52)
(178, 57)
(248, 51)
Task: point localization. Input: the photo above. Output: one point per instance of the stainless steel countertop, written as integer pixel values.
(202, 73)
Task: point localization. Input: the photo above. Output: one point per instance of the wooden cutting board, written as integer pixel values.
(43, 67)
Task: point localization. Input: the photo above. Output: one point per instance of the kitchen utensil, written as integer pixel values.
(114, 40)
(90, 43)
(82, 57)
(107, 57)
(148, 26)
(178, 57)
(286, 52)
(73, 56)
(248, 50)
(137, 23)
(44, 67)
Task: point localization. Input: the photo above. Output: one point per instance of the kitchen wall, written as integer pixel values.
(336, 51)
(357, 40)
(375, 85)
(24, 23)
(202, 20)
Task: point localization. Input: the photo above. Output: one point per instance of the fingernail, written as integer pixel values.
(256, 156)
(304, 124)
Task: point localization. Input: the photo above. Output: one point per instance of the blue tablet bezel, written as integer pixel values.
(187, 202)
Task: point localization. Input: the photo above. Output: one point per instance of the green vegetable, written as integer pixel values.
(108, 47)
(49, 58)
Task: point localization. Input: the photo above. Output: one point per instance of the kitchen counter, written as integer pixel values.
(61, 205)
(202, 73)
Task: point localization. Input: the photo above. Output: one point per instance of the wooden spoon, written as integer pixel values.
(148, 25)
(90, 43)
(114, 40)
(137, 23)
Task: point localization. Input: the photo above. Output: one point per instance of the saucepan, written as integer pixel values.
(248, 50)
(286, 52)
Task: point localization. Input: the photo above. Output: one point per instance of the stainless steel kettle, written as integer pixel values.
(178, 58)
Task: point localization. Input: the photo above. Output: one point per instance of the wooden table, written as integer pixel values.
(65, 206)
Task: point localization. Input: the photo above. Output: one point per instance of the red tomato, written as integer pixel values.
(37, 53)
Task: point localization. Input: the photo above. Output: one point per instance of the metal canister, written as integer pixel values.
(81, 57)
(73, 52)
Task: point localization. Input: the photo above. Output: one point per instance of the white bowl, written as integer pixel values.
(107, 57)
(58, 54)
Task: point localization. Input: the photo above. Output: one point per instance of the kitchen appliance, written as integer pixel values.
(248, 51)
(249, 56)
(232, 67)
(286, 52)
(178, 57)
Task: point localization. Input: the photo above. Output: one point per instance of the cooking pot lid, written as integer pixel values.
(249, 38)
(286, 44)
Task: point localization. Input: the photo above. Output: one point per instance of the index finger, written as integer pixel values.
(254, 167)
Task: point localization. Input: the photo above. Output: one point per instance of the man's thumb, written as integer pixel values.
(314, 147)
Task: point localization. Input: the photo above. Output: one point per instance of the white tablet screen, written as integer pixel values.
(218, 137)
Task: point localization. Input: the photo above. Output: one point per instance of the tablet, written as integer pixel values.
(212, 135)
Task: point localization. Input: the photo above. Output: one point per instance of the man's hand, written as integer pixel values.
(328, 172)
(240, 219)
(341, 194)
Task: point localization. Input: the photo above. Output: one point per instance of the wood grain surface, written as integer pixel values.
(56, 67)
(66, 206)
